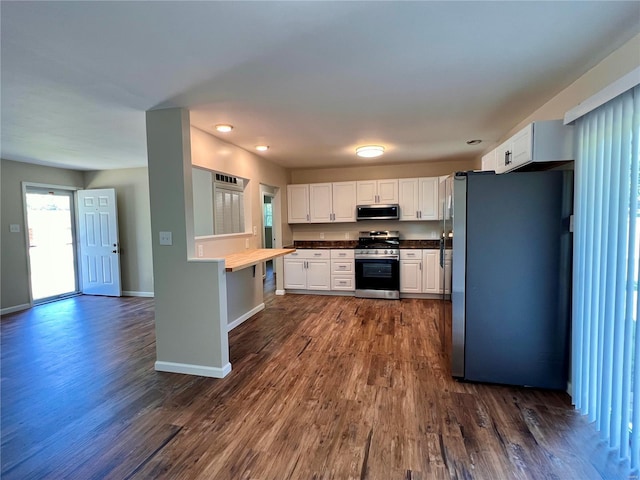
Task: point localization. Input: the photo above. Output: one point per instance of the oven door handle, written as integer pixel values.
(378, 257)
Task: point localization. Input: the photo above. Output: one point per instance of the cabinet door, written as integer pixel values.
(319, 274)
(410, 276)
(366, 192)
(447, 273)
(504, 157)
(522, 147)
(320, 202)
(431, 271)
(429, 198)
(295, 273)
(344, 202)
(409, 198)
(298, 203)
(388, 191)
(489, 161)
(445, 192)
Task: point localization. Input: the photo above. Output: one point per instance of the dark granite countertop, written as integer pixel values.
(337, 244)
(319, 244)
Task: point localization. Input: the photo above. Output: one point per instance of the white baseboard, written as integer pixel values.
(243, 318)
(129, 293)
(190, 369)
(17, 308)
(280, 292)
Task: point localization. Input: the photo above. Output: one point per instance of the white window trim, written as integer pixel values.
(610, 92)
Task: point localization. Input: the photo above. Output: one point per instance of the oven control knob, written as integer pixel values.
(376, 252)
(385, 252)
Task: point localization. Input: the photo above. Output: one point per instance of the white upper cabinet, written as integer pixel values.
(545, 141)
(298, 203)
(419, 198)
(409, 193)
(344, 201)
(371, 192)
(489, 161)
(503, 157)
(322, 202)
(445, 197)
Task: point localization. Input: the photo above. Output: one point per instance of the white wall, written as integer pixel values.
(14, 281)
(134, 223)
(212, 153)
(613, 67)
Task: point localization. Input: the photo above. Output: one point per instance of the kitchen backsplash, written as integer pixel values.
(349, 231)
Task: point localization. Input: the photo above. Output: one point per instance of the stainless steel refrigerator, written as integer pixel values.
(511, 277)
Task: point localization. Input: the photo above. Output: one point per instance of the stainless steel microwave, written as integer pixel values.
(377, 212)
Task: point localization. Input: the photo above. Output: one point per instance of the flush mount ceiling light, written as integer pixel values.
(224, 127)
(262, 148)
(474, 142)
(370, 151)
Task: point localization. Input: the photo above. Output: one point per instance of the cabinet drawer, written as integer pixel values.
(310, 254)
(413, 254)
(342, 282)
(342, 253)
(338, 266)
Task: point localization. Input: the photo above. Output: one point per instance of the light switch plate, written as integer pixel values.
(200, 250)
(166, 238)
(14, 228)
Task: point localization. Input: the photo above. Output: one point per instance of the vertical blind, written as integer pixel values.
(605, 382)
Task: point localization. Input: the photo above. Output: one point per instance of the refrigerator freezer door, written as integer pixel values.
(516, 323)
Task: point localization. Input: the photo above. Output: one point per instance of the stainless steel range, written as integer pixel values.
(377, 262)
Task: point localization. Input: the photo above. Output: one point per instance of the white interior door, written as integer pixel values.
(99, 245)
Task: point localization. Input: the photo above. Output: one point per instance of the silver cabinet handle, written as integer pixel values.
(420, 264)
(307, 217)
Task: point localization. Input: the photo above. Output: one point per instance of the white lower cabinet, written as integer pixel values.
(420, 271)
(308, 270)
(447, 272)
(343, 270)
(411, 271)
(431, 271)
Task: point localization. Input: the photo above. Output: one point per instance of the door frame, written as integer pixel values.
(74, 222)
(276, 230)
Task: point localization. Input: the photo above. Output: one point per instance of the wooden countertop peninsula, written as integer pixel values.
(248, 258)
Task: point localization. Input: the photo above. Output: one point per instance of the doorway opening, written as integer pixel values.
(270, 234)
(51, 243)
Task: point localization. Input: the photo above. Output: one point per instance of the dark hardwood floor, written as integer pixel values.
(322, 387)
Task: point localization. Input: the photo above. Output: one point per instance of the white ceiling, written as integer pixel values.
(311, 79)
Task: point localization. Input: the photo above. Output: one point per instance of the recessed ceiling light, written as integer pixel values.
(224, 127)
(370, 151)
(262, 148)
(474, 142)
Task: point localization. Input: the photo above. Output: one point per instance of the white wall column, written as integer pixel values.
(190, 293)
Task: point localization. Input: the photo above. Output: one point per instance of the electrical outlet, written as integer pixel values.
(246, 243)
(166, 238)
(255, 230)
(14, 228)
(346, 235)
(322, 236)
(201, 250)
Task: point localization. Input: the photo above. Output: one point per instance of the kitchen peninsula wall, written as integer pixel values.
(412, 230)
